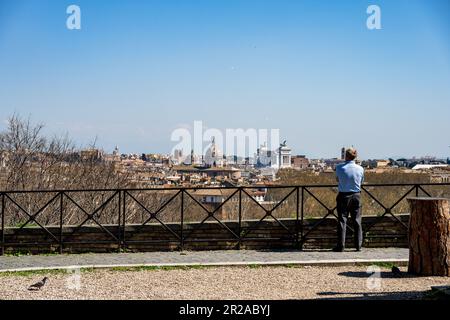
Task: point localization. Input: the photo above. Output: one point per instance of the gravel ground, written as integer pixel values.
(221, 283)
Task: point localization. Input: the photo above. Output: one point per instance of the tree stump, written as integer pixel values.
(429, 236)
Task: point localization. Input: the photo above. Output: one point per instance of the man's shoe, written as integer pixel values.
(358, 249)
(338, 249)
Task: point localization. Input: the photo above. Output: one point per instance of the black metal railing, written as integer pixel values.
(177, 200)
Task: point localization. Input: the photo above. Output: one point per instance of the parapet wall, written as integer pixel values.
(269, 234)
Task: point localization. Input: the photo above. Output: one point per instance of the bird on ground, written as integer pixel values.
(38, 285)
(396, 271)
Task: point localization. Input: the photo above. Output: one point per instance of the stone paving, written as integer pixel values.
(207, 258)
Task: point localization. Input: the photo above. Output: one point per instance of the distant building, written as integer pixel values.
(429, 166)
(230, 173)
(268, 173)
(284, 156)
(192, 159)
(177, 156)
(91, 155)
(116, 152)
(330, 164)
(278, 159)
(213, 200)
(299, 162)
(376, 163)
(317, 164)
(214, 156)
(114, 157)
(265, 157)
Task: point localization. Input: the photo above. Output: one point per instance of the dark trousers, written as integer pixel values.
(349, 203)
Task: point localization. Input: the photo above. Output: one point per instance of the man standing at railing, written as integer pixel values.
(350, 177)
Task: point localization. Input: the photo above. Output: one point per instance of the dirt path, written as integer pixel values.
(221, 283)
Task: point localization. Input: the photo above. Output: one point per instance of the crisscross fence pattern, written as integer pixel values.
(60, 216)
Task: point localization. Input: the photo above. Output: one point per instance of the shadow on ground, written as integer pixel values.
(382, 295)
(400, 295)
(384, 274)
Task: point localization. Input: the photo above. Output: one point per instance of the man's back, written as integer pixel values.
(348, 201)
(350, 176)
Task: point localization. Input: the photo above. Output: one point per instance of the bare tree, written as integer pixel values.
(33, 161)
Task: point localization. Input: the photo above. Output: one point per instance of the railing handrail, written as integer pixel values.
(124, 195)
(227, 187)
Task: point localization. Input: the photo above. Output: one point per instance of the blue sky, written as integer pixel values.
(137, 70)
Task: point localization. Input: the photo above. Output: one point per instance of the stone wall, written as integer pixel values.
(209, 236)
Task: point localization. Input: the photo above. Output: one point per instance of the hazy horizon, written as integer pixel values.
(138, 70)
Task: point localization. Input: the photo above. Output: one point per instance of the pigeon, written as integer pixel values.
(38, 285)
(396, 271)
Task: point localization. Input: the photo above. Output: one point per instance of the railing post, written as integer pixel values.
(3, 225)
(119, 223)
(302, 218)
(61, 210)
(297, 216)
(182, 220)
(417, 190)
(240, 218)
(124, 215)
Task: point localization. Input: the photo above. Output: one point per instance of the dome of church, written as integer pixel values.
(213, 154)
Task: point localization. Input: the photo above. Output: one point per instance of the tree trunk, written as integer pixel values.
(429, 237)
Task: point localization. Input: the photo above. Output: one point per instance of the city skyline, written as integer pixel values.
(228, 156)
(137, 71)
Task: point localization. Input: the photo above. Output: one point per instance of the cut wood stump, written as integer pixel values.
(429, 236)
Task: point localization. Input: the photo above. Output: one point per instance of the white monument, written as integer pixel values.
(284, 156)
